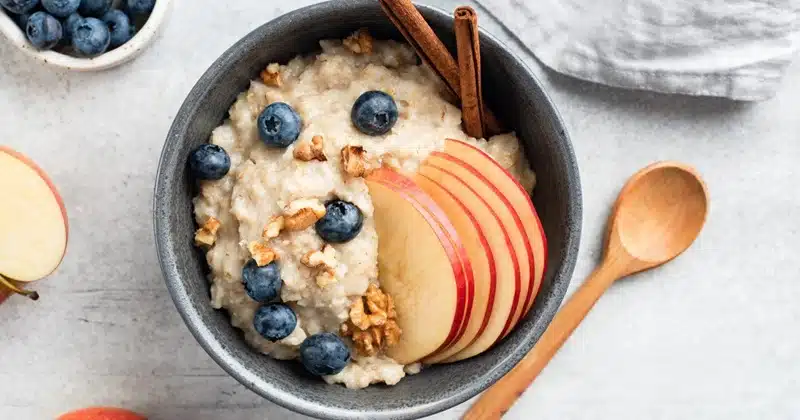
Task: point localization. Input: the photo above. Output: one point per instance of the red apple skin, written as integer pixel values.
(101, 413)
(541, 266)
(4, 293)
(434, 215)
(492, 271)
(532, 281)
(517, 280)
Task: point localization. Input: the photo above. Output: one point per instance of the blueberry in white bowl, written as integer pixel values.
(94, 8)
(262, 284)
(342, 222)
(374, 113)
(209, 162)
(139, 7)
(43, 30)
(119, 24)
(19, 6)
(275, 321)
(69, 25)
(90, 37)
(279, 125)
(324, 354)
(61, 8)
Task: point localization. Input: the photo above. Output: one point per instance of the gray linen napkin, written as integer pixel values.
(737, 49)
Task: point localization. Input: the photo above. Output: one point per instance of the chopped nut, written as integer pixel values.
(326, 278)
(207, 234)
(308, 151)
(356, 161)
(326, 258)
(261, 253)
(359, 42)
(271, 76)
(273, 228)
(391, 332)
(301, 214)
(372, 325)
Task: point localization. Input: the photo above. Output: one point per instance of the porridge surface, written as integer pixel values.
(262, 181)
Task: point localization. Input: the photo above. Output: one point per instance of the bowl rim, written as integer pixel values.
(221, 354)
(116, 57)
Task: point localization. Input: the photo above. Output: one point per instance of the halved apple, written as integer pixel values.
(477, 197)
(33, 222)
(481, 259)
(425, 269)
(518, 197)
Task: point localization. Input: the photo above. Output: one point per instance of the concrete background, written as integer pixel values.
(713, 335)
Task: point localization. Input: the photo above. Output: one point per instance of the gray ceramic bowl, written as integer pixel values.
(514, 94)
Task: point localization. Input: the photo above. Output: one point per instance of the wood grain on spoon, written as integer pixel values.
(657, 216)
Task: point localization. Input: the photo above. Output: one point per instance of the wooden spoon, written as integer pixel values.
(657, 216)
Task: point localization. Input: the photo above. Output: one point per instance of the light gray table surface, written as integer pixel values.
(713, 335)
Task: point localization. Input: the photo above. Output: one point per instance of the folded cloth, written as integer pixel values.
(737, 49)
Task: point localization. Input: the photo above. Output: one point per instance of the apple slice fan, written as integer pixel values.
(33, 224)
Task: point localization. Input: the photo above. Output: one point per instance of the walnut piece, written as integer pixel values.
(324, 258)
(372, 325)
(325, 261)
(301, 214)
(326, 278)
(359, 42)
(273, 228)
(271, 76)
(262, 253)
(356, 162)
(207, 234)
(308, 151)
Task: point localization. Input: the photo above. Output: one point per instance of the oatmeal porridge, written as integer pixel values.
(262, 212)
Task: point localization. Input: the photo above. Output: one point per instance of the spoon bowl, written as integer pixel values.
(659, 213)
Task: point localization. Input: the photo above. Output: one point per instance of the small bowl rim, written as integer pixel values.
(219, 351)
(121, 55)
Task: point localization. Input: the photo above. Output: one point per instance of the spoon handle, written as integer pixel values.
(500, 396)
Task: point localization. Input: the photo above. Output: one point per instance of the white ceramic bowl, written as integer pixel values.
(130, 50)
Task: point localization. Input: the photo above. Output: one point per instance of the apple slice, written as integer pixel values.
(33, 222)
(508, 216)
(518, 197)
(420, 265)
(408, 187)
(507, 265)
(481, 259)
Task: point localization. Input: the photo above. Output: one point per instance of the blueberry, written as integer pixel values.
(324, 354)
(61, 8)
(90, 37)
(22, 20)
(120, 26)
(140, 7)
(43, 31)
(279, 125)
(209, 162)
(69, 25)
(275, 321)
(19, 6)
(374, 113)
(262, 284)
(94, 8)
(341, 223)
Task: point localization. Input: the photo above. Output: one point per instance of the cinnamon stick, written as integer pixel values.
(405, 16)
(469, 70)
